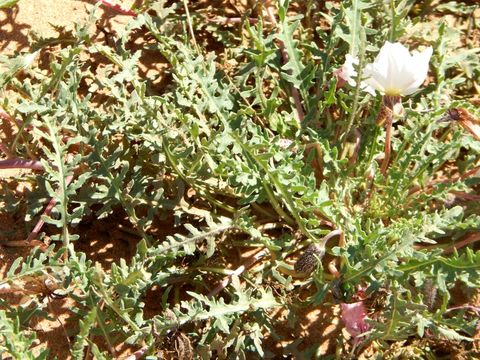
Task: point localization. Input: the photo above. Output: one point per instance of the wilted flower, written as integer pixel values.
(353, 316)
(397, 72)
(347, 73)
(465, 119)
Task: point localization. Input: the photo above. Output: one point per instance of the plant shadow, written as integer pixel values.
(14, 34)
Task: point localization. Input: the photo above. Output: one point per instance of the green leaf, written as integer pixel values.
(7, 3)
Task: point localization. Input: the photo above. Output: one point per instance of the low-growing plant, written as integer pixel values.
(262, 142)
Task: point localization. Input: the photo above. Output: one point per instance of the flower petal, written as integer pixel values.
(396, 72)
(353, 316)
(419, 65)
(349, 72)
(398, 55)
(373, 79)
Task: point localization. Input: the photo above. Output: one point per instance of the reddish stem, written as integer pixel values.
(473, 308)
(453, 179)
(332, 267)
(138, 354)
(249, 263)
(117, 7)
(5, 150)
(388, 144)
(21, 164)
(233, 20)
(469, 239)
(465, 196)
(46, 212)
(356, 149)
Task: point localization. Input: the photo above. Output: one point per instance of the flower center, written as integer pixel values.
(393, 91)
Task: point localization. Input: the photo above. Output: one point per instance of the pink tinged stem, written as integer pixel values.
(117, 7)
(388, 142)
(232, 20)
(138, 354)
(473, 308)
(390, 105)
(356, 149)
(5, 150)
(5, 116)
(332, 267)
(465, 196)
(46, 212)
(21, 164)
(249, 263)
(369, 190)
(470, 239)
(431, 184)
(331, 234)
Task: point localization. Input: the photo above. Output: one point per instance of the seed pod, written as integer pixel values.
(430, 293)
(308, 261)
(384, 114)
(465, 119)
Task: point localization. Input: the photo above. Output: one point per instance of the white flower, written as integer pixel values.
(397, 72)
(349, 74)
(348, 70)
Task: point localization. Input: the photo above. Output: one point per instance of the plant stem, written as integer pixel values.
(388, 140)
(232, 20)
(5, 150)
(356, 96)
(46, 212)
(249, 263)
(190, 27)
(390, 105)
(17, 163)
(117, 7)
(391, 34)
(451, 180)
(295, 94)
(448, 249)
(139, 354)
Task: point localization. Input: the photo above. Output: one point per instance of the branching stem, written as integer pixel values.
(246, 265)
(295, 94)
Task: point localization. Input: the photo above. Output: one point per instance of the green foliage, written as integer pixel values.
(15, 342)
(222, 154)
(7, 3)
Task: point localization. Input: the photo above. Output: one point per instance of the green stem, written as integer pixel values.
(210, 198)
(391, 35)
(276, 204)
(357, 88)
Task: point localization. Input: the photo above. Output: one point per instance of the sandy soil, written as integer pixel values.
(38, 16)
(315, 325)
(17, 24)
